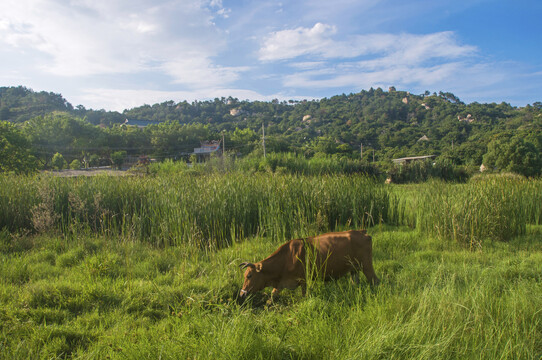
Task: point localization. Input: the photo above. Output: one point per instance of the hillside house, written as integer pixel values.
(405, 160)
(206, 149)
(139, 123)
(423, 138)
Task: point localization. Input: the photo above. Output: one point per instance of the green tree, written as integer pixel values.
(60, 132)
(171, 139)
(325, 145)
(58, 161)
(4, 113)
(117, 158)
(244, 140)
(513, 154)
(75, 164)
(15, 154)
(94, 160)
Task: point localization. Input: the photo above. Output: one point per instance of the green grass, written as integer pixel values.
(147, 267)
(88, 297)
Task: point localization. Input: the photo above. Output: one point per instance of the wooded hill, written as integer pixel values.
(388, 124)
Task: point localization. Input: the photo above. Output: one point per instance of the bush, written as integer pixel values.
(75, 165)
(58, 162)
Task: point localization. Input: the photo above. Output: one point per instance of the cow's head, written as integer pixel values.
(255, 280)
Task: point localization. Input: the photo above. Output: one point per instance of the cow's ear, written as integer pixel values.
(259, 267)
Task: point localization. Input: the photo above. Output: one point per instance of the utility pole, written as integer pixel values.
(263, 134)
(223, 145)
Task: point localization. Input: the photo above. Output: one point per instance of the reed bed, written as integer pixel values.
(210, 210)
(215, 209)
(487, 208)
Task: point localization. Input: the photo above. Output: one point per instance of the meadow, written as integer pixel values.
(147, 267)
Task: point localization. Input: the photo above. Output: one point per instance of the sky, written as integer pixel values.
(120, 54)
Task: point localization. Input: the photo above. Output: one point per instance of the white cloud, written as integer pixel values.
(197, 71)
(287, 44)
(362, 61)
(308, 65)
(86, 38)
(354, 75)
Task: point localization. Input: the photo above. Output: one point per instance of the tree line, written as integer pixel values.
(373, 126)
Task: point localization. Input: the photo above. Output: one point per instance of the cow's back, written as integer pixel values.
(341, 252)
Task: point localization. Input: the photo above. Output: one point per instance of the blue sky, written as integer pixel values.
(118, 54)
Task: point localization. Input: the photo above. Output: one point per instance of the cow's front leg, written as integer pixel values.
(274, 295)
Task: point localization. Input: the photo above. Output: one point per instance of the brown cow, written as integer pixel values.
(336, 255)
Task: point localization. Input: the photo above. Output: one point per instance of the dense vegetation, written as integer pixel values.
(382, 125)
(102, 267)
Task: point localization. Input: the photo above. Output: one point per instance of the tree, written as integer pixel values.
(325, 145)
(58, 161)
(4, 113)
(60, 132)
(171, 139)
(244, 140)
(117, 158)
(15, 150)
(75, 165)
(94, 160)
(513, 154)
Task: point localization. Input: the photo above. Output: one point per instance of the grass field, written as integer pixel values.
(78, 291)
(93, 298)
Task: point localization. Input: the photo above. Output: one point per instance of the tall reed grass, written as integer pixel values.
(291, 163)
(281, 163)
(204, 210)
(486, 208)
(214, 209)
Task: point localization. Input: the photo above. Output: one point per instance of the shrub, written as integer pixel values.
(58, 162)
(75, 164)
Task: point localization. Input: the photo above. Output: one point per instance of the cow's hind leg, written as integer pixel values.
(369, 272)
(354, 276)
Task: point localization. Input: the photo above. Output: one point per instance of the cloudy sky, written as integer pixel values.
(118, 54)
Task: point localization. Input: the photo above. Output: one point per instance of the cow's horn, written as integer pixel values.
(246, 264)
